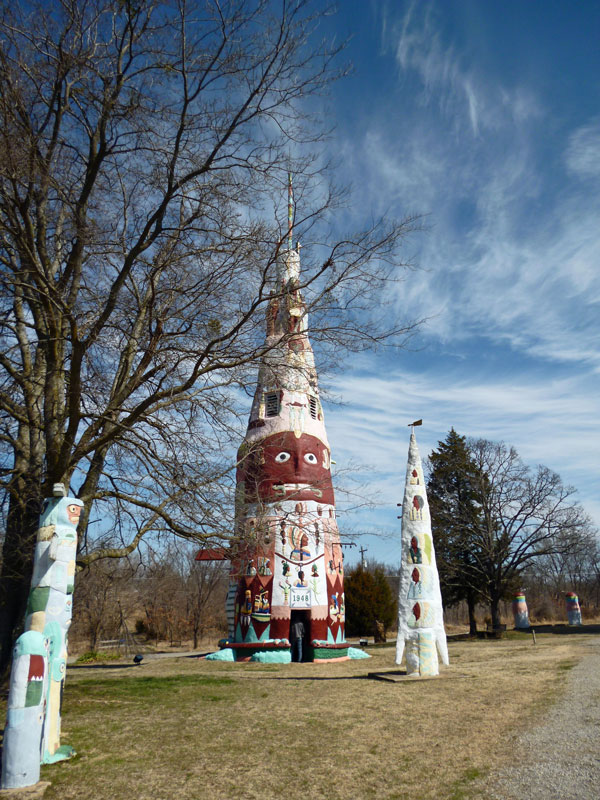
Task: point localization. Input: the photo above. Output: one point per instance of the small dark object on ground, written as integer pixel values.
(137, 659)
(363, 642)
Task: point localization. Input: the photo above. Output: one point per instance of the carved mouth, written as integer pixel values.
(36, 668)
(283, 488)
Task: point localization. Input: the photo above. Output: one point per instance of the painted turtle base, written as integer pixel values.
(245, 651)
(330, 653)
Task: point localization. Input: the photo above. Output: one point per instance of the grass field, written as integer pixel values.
(184, 728)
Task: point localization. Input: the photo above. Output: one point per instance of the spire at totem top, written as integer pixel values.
(287, 393)
(290, 210)
(288, 261)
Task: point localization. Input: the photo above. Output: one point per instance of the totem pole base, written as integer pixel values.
(63, 753)
(26, 792)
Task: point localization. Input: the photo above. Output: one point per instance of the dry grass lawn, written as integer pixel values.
(184, 728)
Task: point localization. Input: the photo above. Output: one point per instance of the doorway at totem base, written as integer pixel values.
(303, 616)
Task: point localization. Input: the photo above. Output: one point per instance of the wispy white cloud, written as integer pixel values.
(513, 248)
(549, 421)
(582, 154)
(538, 413)
(447, 80)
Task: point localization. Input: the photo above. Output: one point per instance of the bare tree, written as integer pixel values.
(166, 595)
(573, 566)
(179, 596)
(143, 148)
(205, 588)
(160, 593)
(525, 514)
(103, 594)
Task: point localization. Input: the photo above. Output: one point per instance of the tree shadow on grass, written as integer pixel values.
(101, 666)
(564, 628)
(313, 677)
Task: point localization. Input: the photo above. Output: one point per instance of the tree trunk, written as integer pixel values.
(17, 563)
(379, 635)
(93, 638)
(495, 611)
(471, 609)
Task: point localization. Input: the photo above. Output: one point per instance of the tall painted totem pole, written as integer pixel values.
(287, 564)
(420, 614)
(32, 732)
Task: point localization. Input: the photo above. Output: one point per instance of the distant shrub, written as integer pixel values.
(544, 611)
(93, 655)
(369, 600)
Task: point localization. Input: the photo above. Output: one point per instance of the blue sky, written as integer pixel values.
(484, 116)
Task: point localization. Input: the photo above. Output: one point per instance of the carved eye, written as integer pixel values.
(281, 457)
(310, 458)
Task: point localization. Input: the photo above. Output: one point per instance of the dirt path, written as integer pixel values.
(560, 757)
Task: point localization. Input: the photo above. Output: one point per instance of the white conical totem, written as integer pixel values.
(420, 616)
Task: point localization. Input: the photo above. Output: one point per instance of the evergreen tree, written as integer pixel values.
(455, 519)
(369, 600)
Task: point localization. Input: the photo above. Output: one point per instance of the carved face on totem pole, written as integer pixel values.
(286, 467)
(65, 512)
(73, 513)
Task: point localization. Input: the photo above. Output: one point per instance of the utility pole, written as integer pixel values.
(363, 550)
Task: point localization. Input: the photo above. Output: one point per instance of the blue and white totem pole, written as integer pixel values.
(420, 615)
(573, 608)
(520, 612)
(32, 732)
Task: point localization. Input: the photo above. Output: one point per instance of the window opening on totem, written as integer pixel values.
(272, 404)
(313, 407)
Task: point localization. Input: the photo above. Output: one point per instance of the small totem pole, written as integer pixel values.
(520, 612)
(573, 609)
(32, 733)
(420, 615)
